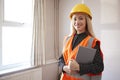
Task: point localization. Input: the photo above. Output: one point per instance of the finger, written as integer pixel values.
(71, 59)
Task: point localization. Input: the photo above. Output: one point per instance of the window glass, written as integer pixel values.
(18, 10)
(17, 31)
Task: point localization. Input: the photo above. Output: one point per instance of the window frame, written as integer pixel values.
(17, 24)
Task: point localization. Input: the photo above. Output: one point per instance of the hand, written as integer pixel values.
(68, 70)
(73, 65)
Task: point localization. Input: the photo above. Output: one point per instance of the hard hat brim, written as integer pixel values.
(79, 12)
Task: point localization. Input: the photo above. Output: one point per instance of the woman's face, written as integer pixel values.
(79, 22)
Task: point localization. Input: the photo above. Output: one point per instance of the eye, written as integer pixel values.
(80, 18)
(75, 19)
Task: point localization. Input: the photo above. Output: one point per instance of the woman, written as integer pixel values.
(81, 33)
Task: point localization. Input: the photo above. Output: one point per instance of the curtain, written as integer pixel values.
(39, 32)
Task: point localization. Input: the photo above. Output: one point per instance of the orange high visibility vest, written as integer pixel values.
(68, 54)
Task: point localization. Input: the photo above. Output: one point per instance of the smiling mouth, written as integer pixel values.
(78, 26)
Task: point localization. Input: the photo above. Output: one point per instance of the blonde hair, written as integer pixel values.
(89, 29)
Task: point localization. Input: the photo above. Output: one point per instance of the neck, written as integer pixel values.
(80, 32)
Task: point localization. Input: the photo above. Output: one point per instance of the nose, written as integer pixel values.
(76, 22)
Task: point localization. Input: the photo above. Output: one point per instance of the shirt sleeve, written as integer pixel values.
(96, 66)
(61, 63)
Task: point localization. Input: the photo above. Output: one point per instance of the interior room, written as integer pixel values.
(32, 34)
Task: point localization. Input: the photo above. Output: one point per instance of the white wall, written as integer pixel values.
(35, 74)
(106, 21)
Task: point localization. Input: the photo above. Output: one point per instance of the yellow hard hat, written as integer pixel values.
(81, 8)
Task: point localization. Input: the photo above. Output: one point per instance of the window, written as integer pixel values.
(16, 34)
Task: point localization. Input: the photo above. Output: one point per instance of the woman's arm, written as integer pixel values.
(61, 63)
(96, 66)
